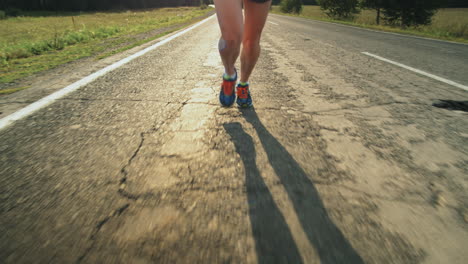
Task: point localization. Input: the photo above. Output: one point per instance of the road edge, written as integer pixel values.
(49, 99)
(372, 30)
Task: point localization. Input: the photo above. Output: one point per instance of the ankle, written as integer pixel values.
(230, 71)
(229, 77)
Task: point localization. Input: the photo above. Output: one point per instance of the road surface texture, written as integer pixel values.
(344, 159)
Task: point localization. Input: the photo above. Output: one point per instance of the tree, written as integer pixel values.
(339, 8)
(455, 3)
(373, 4)
(309, 2)
(82, 5)
(410, 12)
(291, 6)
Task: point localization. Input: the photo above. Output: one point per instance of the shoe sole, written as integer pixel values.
(222, 95)
(245, 105)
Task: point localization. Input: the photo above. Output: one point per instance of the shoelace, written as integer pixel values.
(243, 92)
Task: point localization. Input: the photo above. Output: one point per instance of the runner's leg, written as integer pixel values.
(229, 13)
(255, 18)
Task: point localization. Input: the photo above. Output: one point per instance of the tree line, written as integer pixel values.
(395, 12)
(455, 3)
(84, 5)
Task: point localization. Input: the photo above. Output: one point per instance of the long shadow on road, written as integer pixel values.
(272, 235)
(273, 239)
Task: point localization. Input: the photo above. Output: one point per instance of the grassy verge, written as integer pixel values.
(41, 41)
(135, 43)
(12, 90)
(448, 24)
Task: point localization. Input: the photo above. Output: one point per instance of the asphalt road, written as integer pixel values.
(445, 59)
(344, 159)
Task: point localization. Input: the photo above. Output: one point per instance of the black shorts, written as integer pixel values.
(260, 1)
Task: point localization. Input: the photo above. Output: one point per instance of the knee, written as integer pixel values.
(251, 44)
(233, 39)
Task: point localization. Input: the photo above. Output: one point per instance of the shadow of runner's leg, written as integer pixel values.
(273, 239)
(322, 233)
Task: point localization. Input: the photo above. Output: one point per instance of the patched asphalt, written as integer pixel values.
(343, 159)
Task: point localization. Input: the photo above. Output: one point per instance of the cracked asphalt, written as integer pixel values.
(344, 159)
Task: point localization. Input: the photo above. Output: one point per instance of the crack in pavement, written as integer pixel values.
(121, 191)
(116, 213)
(187, 102)
(134, 100)
(378, 196)
(117, 100)
(337, 109)
(363, 107)
(124, 172)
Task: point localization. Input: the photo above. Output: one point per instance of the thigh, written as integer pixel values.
(229, 13)
(256, 13)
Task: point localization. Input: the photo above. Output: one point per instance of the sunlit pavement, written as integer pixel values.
(343, 159)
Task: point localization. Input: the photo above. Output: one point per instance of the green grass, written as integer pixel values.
(134, 44)
(43, 40)
(12, 90)
(447, 24)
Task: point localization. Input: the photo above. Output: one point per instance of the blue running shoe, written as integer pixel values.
(227, 96)
(244, 99)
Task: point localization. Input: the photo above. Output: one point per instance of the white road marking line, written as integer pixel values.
(440, 79)
(374, 30)
(273, 23)
(28, 110)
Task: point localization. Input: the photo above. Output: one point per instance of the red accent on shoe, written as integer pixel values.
(243, 92)
(228, 87)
